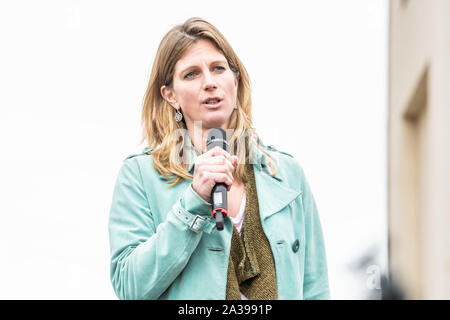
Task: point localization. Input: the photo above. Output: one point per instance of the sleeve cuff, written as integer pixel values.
(192, 202)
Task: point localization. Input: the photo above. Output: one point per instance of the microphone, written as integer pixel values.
(217, 137)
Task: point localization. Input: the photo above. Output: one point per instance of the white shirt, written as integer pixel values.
(237, 221)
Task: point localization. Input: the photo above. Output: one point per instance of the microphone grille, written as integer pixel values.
(217, 137)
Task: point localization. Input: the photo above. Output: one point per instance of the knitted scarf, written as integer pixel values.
(251, 267)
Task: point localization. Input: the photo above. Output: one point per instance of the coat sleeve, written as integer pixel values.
(145, 260)
(315, 282)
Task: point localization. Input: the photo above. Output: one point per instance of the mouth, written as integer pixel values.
(212, 102)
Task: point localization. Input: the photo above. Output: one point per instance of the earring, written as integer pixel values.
(178, 116)
(235, 107)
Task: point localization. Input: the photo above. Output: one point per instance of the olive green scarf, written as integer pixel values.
(251, 268)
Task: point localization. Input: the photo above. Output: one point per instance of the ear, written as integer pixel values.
(236, 80)
(169, 96)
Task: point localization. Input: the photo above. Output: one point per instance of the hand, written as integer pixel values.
(212, 167)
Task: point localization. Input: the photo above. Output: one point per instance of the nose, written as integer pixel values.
(209, 82)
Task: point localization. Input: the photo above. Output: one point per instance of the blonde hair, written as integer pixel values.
(159, 126)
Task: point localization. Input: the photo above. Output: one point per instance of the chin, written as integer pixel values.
(216, 119)
(214, 122)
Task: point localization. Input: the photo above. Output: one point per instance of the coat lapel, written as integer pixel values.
(273, 194)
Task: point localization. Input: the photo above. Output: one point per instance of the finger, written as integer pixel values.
(216, 169)
(219, 177)
(218, 151)
(224, 168)
(220, 160)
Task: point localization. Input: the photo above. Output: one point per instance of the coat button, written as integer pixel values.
(295, 246)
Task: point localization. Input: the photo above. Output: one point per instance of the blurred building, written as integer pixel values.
(419, 147)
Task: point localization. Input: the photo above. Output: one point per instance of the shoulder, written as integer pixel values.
(147, 151)
(283, 158)
(274, 149)
(288, 166)
(141, 163)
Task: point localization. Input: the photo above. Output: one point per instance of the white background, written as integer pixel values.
(73, 76)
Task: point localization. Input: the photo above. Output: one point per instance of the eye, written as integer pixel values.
(221, 68)
(188, 75)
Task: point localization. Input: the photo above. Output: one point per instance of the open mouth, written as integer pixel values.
(213, 102)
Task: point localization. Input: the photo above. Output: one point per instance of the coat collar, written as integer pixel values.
(273, 193)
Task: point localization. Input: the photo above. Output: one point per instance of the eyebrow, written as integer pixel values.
(192, 66)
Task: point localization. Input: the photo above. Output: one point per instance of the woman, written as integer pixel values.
(164, 243)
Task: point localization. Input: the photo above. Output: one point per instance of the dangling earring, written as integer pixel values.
(178, 116)
(235, 107)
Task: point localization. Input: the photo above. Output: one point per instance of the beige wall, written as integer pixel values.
(419, 147)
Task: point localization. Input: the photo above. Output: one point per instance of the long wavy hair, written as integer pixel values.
(161, 131)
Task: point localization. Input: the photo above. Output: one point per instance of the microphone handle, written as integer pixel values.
(219, 220)
(219, 201)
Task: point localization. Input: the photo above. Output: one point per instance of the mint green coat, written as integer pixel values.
(164, 244)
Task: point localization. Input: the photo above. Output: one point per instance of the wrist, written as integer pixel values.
(192, 202)
(207, 201)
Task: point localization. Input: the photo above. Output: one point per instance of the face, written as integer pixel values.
(200, 74)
